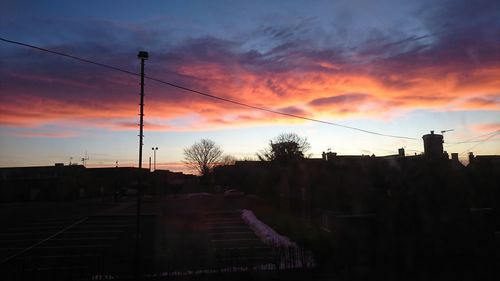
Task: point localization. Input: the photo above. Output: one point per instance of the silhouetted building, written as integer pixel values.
(433, 145)
(60, 182)
(56, 182)
(402, 207)
(484, 177)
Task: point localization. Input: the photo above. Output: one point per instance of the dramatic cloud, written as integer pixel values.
(39, 134)
(487, 127)
(483, 102)
(454, 66)
(347, 99)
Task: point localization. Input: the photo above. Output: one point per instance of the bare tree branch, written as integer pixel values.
(284, 147)
(202, 156)
(227, 160)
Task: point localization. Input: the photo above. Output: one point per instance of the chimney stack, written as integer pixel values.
(433, 145)
(471, 157)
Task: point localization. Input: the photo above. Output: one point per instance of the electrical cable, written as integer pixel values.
(471, 139)
(481, 142)
(203, 93)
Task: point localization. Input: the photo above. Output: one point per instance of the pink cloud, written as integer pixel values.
(486, 127)
(291, 79)
(38, 134)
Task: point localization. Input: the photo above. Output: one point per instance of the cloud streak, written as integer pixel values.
(451, 68)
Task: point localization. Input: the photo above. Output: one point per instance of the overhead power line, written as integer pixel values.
(205, 94)
(474, 139)
(481, 142)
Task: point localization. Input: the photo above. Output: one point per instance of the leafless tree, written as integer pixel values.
(250, 158)
(203, 156)
(227, 160)
(285, 147)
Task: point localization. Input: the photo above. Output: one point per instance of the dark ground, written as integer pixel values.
(184, 237)
(94, 239)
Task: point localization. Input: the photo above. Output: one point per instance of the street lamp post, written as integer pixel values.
(142, 56)
(154, 157)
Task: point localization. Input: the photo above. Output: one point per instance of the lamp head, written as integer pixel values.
(143, 55)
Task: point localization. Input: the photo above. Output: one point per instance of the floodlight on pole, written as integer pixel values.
(154, 157)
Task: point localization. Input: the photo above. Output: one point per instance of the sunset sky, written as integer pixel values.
(394, 67)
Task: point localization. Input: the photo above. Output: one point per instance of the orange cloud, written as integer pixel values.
(314, 84)
(486, 127)
(37, 134)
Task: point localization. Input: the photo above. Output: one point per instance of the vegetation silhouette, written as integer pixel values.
(285, 147)
(203, 156)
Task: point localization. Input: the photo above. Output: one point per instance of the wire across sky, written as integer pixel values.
(235, 102)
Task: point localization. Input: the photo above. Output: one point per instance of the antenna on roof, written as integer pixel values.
(85, 159)
(449, 130)
(444, 131)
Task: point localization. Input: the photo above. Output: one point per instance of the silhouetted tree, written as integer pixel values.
(203, 156)
(284, 147)
(226, 160)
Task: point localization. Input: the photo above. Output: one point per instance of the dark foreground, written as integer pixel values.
(186, 237)
(182, 237)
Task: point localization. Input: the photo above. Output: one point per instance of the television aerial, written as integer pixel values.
(449, 130)
(85, 158)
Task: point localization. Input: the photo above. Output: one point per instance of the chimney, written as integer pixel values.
(454, 157)
(330, 155)
(401, 152)
(433, 145)
(471, 157)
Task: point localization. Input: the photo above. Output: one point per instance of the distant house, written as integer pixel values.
(484, 175)
(42, 183)
(431, 204)
(60, 182)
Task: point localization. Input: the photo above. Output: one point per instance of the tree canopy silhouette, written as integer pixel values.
(227, 160)
(285, 147)
(203, 156)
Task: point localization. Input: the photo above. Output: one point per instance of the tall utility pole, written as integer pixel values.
(142, 56)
